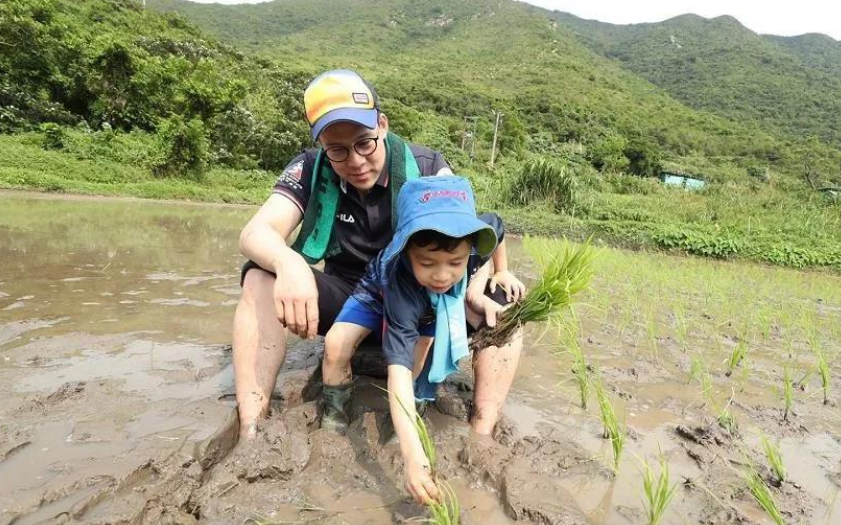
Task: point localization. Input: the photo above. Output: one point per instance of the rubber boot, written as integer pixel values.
(336, 415)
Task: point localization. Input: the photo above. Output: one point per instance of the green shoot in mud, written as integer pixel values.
(762, 494)
(696, 368)
(681, 328)
(565, 275)
(613, 430)
(740, 351)
(775, 459)
(579, 364)
(698, 371)
(651, 335)
(726, 419)
(447, 511)
(821, 366)
(658, 491)
(788, 391)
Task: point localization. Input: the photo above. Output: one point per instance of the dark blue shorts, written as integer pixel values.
(356, 312)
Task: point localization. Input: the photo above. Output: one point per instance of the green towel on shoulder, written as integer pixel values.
(316, 240)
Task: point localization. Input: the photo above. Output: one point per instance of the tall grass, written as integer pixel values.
(543, 179)
(658, 491)
(613, 429)
(821, 365)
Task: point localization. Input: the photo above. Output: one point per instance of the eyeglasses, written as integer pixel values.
(363, 147)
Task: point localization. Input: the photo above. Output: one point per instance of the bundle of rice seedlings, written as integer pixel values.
(565, 275)
(658, 491)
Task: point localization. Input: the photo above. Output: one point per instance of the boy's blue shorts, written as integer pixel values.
(356, 312)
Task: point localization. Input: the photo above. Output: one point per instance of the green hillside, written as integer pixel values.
(102, 97)
(789, 84)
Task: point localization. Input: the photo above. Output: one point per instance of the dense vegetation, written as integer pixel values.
(102, 97)
(788, 84)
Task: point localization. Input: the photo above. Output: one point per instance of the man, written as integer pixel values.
(342, 196)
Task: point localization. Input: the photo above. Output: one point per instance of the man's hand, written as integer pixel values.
(482, 304)
(419, 483)
(296, 296)
(514, 288)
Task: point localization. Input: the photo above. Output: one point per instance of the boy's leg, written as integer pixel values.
(339, 344)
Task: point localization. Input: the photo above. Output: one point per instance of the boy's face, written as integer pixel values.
(437, 269)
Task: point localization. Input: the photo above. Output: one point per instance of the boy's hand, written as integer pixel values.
(419, 483)
(514, 288)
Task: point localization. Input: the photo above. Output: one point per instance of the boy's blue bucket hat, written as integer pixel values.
(444, 204)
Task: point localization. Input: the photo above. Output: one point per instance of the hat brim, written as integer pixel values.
(363, 117)
(452, 225)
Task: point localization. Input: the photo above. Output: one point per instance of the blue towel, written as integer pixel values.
(450, 340)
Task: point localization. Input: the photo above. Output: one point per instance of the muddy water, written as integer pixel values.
(116, 380)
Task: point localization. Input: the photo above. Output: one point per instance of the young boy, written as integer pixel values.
(419, 284)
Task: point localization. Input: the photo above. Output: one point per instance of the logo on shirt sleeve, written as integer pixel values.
(292, 175)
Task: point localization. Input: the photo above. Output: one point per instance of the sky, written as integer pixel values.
(776, 18)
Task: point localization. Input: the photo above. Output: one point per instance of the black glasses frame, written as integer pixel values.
(345, 151)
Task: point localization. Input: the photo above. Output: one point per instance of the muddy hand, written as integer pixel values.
(420, 485)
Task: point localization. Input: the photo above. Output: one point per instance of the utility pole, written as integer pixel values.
(496, 133)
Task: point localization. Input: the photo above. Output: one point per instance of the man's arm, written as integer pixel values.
(264, 240)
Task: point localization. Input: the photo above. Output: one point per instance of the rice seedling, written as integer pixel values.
(651, 335)
(447, 510)
(821, 366)
(579, 364)
(762, 494)
(613, 430)
(681, 328)
(658, 491)
(764, 323)
(565, 275)
(726, 419)
(737, 355)
(788, 391)
(775, 459)
(696, 368)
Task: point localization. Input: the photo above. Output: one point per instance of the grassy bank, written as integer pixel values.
(751, 221)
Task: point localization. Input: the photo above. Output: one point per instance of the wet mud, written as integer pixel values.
(118, 403)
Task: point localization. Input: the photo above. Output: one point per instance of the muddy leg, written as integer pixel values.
(494, 369)
(339, 344)
(259, 348)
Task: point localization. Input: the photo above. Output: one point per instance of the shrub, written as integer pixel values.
(543, 179)
(185, 146)
(54, 136)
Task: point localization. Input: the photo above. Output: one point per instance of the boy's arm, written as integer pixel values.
(403, 308)
(401, 401)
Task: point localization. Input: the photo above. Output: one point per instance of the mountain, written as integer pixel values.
(791, 84)
(553, 82)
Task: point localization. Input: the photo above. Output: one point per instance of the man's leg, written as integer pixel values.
(494, 369)
(259, 348)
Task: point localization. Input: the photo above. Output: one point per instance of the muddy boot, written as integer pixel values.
(336, 415)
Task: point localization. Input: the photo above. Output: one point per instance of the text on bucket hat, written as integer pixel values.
(340, 95)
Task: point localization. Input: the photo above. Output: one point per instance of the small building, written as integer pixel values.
(682, 179)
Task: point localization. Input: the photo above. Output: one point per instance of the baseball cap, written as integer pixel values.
(444, 204)
(340, 95)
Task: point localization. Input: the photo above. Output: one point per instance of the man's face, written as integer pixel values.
(360, 171)
(438, 270)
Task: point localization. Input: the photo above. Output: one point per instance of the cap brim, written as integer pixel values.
(363, 117)
(456, 225)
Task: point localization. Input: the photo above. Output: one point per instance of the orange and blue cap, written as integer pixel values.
(340, 95)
